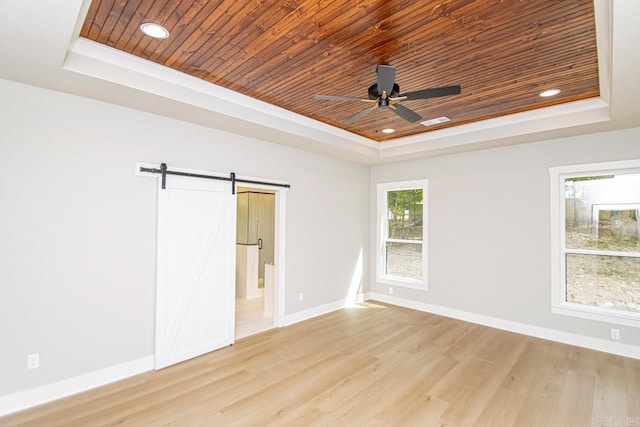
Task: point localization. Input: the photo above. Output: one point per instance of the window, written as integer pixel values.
(595, 211)
(402, 236)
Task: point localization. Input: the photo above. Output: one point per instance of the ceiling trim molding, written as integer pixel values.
(604, 17)
(560, 116)
(99, 61)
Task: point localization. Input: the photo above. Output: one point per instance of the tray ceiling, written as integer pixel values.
(503, 53)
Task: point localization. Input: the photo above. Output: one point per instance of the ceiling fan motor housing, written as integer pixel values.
(373, 91)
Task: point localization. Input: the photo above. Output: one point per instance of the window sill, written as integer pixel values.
(422, 286)
(615, 317)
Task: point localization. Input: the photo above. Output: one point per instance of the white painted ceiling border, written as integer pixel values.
(560, 116)
(99, 61)
(603, 13)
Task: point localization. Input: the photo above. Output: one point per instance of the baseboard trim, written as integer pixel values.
(620, 349)
(300, 316)
(36, 396)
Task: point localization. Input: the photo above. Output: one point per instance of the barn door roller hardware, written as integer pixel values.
(232, 177)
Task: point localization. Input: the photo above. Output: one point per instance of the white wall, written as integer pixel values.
(489, 236)
(78, 228)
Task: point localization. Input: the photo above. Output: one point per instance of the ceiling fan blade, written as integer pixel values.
(361, 114)
(405, 113)
(338, 98)
(433, 92)
(386, 78)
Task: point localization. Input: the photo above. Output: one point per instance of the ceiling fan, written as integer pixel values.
(385, 93)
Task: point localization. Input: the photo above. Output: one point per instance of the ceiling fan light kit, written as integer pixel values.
(385, 93)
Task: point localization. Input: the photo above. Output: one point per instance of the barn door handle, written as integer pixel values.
(259, 243)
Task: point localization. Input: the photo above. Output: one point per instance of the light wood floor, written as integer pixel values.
(371, 365)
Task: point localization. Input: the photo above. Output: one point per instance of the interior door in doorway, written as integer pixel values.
(195, 293)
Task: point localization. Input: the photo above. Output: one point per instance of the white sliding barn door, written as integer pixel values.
(195, 292)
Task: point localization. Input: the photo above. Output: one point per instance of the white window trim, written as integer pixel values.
(382, 232)
(559, 304)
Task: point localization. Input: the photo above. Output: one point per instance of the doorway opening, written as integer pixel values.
(256, 281)
(195, 278)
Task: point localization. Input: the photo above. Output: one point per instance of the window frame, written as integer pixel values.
(382, 234)
(559, 251)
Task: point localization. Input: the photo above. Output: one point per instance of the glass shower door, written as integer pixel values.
(256, 226)
(266, 229)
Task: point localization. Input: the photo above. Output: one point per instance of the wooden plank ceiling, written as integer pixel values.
(501, 52)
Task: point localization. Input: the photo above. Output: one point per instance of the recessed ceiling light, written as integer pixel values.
(156, 31)
(550, 92)
(435, 121)
(388, 130)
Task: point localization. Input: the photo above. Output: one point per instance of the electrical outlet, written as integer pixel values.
(300, 296)
(33, 360)
(390, 290)
(615, 334)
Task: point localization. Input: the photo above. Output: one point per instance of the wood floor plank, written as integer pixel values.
(610, 397)
(479, 374)
(538, 409)
(502, 409)
(583, 360)
(416, 403)
(632, 382)
(301, 416)
(402, 367)
(468, 390)
(539, 374)
(295, 390)
(205, 399)
(352, 385)
(571, 409)
(540, 369)
(422, 410)
(374, 365)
